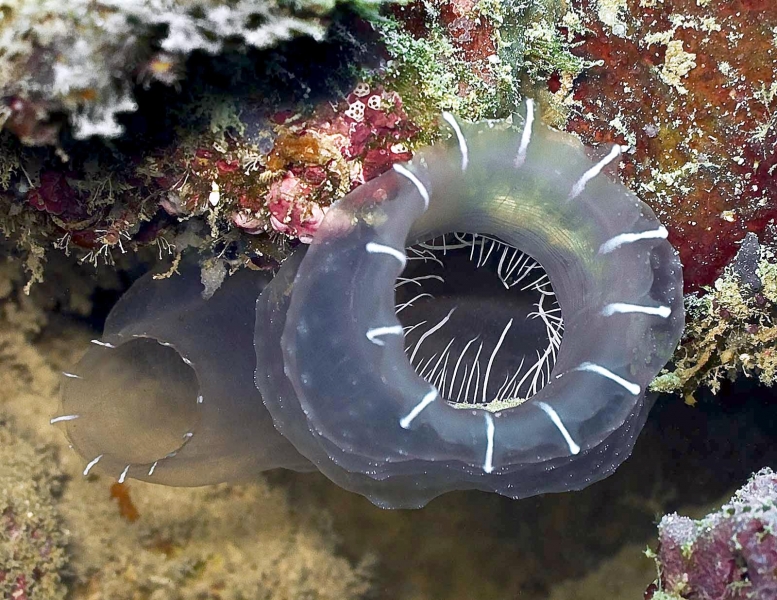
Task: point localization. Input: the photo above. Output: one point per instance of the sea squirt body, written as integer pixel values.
(167, 395)
(345, 393)
(334, 388)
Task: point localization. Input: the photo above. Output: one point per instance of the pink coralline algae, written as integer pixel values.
(369, 131)
(729, 555)
(316, 158)
(289, 213)
(230, 178)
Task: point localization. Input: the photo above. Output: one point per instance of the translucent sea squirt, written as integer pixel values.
(167, 394)
(345, 393)
(403, 405)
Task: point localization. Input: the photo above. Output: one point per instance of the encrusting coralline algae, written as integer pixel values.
(730, 553)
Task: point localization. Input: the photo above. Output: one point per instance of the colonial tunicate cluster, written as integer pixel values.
(487, 317)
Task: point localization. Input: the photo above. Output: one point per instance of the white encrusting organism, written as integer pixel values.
(408, 419)
(630, 387)
(375, 248)
(551, 412)
(624, 307)
(660, 233)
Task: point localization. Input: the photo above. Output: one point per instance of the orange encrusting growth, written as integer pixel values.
(127, 509)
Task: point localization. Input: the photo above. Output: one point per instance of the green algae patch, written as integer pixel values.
(477, 59)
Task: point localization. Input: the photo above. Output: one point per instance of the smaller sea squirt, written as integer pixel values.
(381, 365)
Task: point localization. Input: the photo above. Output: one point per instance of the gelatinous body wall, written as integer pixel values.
(348, 398)
(338, 378)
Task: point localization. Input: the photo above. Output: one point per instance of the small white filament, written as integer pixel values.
(493, 355)
(153, 468)
(64, 418)
(123, 475)
(630, 387)
(580, 184)
(103, 344)
(374, 333)
(525, 134)
(71, 375)
(451, 120)
(429, 332)
(91, 464)
(488, 463)
(629, 238)
(415, 181)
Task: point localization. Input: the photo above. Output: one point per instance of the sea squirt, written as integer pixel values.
(346, 394)
(404, 400)
(167, 394)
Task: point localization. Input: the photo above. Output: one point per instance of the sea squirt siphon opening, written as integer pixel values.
(480, 320)
(137, 402)
(167, 394)
(359, 398)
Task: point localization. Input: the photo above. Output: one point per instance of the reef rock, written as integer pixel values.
(731, 553)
